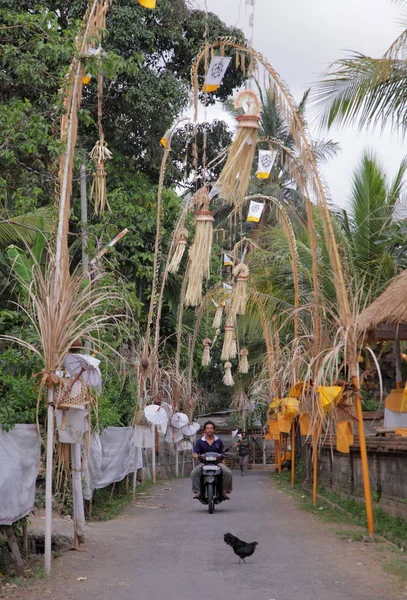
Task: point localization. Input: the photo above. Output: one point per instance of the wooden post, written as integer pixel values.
(315, 437)
(48, 480)
(399, 377)
(153, 456)
(18, 564)
(363, 457)
(77, 493)
(176, 460)
(293, 453)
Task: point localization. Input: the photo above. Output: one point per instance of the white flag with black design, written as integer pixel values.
(255, 211)
(266, 162)
(216, 72)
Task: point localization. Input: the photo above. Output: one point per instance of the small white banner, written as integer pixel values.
(255, 211)
(266, 162)
(215, 74)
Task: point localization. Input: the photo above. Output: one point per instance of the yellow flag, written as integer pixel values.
(148, 3)
(344, 436)
(163, 142)
(329, 395)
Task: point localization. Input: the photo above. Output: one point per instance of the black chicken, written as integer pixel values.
(242, 549)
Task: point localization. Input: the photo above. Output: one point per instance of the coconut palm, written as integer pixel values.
(365, 90)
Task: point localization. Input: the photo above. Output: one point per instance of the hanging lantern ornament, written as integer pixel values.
(229, 349)
(228, 378)
(243, 362)
(206, 356)
(217, 319)
(182, 240)
(241, 272)
(200, 252)
(235, 176)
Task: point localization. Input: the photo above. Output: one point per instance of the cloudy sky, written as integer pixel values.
(300, 39)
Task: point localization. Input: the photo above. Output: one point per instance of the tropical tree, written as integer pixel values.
(365, 90)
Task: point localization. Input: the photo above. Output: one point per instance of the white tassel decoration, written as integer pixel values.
(182, 240)
(206, 356)
(241, 272)
(244, 363)
(227, 378)
(217, 319)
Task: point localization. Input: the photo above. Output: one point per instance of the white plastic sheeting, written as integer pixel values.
(143, 437)
(110, 457)
(75, 424)
(20, 453)
(393, 418)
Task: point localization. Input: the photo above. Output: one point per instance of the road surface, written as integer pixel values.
(167, 546)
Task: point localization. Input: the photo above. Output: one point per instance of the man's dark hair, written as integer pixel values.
(209, 423)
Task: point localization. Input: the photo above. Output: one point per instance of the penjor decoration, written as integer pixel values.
(229, 349)
(243, 362)
(241, 272)
(182, 240)
(234, 179)
(217, 319)
(228, 378)
(206, 356)
(200, 252)
(99, 155)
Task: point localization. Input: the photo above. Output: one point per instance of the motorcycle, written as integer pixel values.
(211, 480)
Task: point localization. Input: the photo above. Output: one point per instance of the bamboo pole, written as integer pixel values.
(293, 453)
(48, 480)
(153, 466)
(315, 465)
(399, 377)
(78, 505)
(176, 460)
(363, 456)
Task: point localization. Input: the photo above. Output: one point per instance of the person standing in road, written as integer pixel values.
(243, 450)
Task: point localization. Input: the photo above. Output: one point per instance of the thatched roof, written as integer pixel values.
(388, 311)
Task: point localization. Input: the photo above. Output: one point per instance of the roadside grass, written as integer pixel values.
(109, 502)
(332, 507)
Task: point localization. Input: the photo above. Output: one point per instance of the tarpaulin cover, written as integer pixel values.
(393, 418)
(75, 424)
(20, 453)
(111, 456)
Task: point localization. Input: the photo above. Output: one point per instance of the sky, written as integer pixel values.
(301, 38)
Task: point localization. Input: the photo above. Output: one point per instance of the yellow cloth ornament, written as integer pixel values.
(344, 436)
(305, 424)
(329, 395)
(291, 407)
(272, 427)
(275, 404)
(296, 390)
(401, 431)
(397, 400)
(283, 423)
(148, 3)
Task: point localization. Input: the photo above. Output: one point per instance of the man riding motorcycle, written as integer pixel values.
(209, 442)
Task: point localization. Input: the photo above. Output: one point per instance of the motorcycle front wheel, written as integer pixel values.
(209, 495)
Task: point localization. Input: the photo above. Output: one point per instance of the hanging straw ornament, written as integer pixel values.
(234, 179)
(243, 362)
(228, 378)
(200, 252)
(182, 240)
(206, 357)
(229, 349)
(217, 319)
(100, 154)
(241, 272)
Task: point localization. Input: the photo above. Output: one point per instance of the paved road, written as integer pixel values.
(168, 546)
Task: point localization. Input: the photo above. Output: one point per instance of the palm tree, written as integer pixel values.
(372, 258)
(365, 90)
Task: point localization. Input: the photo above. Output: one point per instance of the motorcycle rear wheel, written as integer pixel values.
(209, 495)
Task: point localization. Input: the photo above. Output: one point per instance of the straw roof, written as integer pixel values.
(390, 308)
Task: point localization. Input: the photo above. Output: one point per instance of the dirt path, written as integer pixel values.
(167, 545)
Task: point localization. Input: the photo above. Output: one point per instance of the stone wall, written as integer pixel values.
(387, 459)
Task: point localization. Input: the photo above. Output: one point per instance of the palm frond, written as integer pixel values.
(25, 227)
